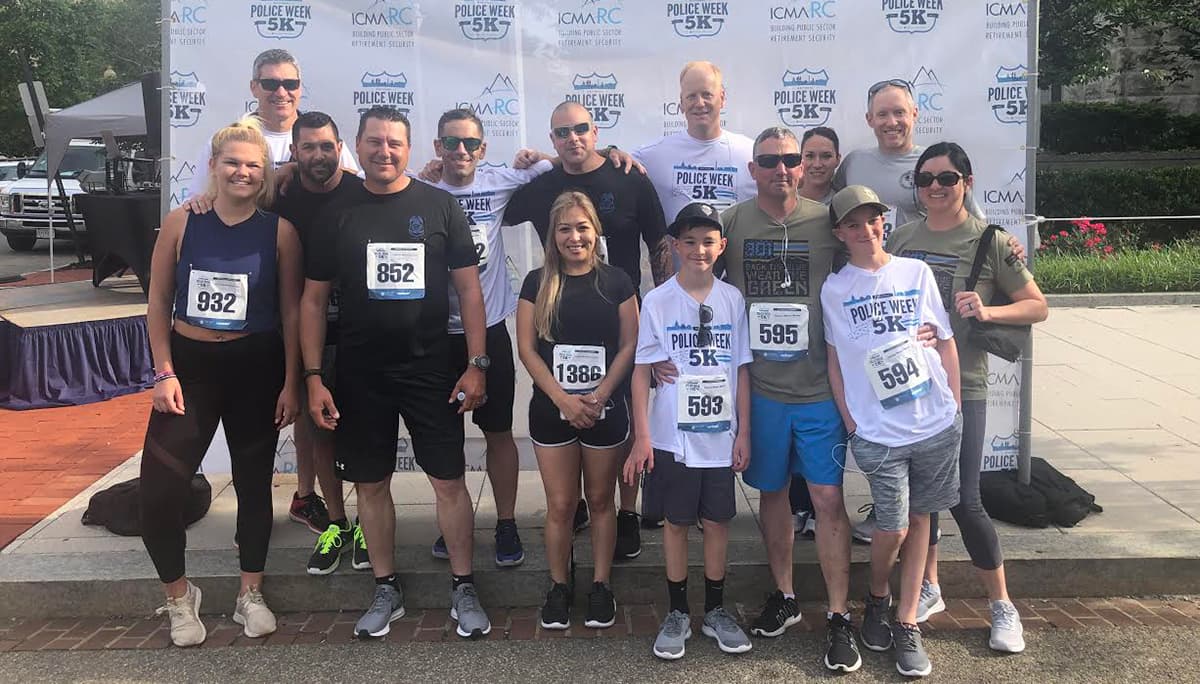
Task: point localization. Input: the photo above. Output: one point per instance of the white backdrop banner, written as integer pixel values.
(798, 63)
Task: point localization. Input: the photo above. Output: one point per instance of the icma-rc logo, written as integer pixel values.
(912, 16)
(593, 13)
(697, 19)
(386, 13)
(485, 19)
(594, 24)
(498, 106)
(189, 22)
(805, 99)
(187, 99)
(180, 181)
(281, 19)
(1008, 96)
(599, 95)
(384, 88)
(1013, 191)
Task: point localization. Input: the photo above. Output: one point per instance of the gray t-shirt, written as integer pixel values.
(891, 177)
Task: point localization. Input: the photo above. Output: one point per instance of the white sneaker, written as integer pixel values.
(252, 613)
(930, 601)
(1007, 633)
(184, 612)
(804, 524)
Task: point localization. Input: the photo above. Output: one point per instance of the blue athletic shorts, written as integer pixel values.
(793, 439)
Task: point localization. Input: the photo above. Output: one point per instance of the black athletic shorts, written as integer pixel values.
(371, 401)
(548, 429)
(496, 415)
(691, 493)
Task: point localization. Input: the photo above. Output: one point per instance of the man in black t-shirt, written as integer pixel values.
(395, 253)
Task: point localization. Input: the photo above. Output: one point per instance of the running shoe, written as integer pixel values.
(930, 601)
(439, 550)
(863, 532)
(876, 630)
(841, 651)
(466, 610)
(509, 552)
(629, 536)
(777, 615)
(720, 625)
(327, 554)
(183, 612)
(675, 631)
(1007, 633)
(310, 511)
(252, 613)
(359, 559)
(601, 607)
(386, 608)
(556, 611)
(582, 519)
(911, 659)
(805, 524)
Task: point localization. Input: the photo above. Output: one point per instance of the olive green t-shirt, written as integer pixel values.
(762, 257)
(950, 254)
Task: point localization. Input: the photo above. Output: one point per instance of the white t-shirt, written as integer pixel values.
(896, 388)
(684, 169)
(669, 330)
(279, 145)
(484, 201)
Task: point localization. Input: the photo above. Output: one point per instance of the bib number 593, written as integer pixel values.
(704, 406)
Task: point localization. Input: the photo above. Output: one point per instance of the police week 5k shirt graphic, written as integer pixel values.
(695, 417)
(896, 388)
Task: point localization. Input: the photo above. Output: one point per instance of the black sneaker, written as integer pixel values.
(359, 559)
(310, 511)
(556, 611)
(629, 536)
(777, 615)
(841, 652)
(653, 523)
(582, 519)
(601, 607)
(509, 552)
(327, 554)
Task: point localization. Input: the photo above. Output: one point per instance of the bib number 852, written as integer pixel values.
(215, 302)
(898, 374)
(394, 273)
(578, 373)
(779, 333)
(705, 405)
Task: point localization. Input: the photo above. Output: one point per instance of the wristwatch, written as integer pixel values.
(482, 362)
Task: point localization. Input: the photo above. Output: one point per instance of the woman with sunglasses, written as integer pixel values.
(577, 322)
(946, 239)
(223, 286)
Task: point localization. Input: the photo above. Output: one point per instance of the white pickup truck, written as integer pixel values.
(25, 209)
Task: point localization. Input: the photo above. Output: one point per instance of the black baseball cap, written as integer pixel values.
(696, 213)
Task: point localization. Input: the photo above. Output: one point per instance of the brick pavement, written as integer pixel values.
(521, 624)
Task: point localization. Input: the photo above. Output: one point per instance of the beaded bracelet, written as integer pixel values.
(165, 375)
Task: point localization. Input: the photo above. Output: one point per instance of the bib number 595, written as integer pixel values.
(779, 333)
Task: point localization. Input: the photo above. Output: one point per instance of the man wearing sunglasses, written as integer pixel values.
(888, 168)
(276, 85)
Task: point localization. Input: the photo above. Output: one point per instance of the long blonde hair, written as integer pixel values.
(247, 130)
(549, 296)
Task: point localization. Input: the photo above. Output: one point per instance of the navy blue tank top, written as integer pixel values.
(227, 276)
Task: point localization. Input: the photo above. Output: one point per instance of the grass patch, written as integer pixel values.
(1170, 269)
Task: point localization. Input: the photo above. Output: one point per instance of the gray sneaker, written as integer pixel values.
(876, 630)
(911, 660)
(720, 625)
(864, 531)
(465, 608)
(386, 607)
(930, 601)
(1007, 633)
(675, 630)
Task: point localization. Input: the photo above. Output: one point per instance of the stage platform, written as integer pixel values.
(71, 343)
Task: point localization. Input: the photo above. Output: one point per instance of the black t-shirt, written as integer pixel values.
(588, 311)
(627, 205)
(301, 205)
(382, 330)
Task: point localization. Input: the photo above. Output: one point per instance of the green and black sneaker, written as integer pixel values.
(359, 559)
(327, 554)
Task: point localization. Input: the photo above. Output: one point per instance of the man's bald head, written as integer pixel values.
(573, 135)
(708, 68)
(569, 110)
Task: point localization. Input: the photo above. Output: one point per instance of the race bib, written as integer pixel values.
(395, 270)
(579, 368)
(217, 300)
(479, 237)
(603, 249)
(704, 403)
(898, 372)
(889, 222)
(779, 332)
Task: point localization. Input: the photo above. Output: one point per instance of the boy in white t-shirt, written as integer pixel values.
(900, 402)
(697, 430)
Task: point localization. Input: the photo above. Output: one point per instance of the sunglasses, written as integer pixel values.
(891, 82)
(272, 84)
(450, 143)
(946, 179)
(770, 161)
(565, 132)
(704, 334)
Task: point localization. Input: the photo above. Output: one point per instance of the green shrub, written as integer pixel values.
(1164, 191)
(1170, 269)
(1083, 127)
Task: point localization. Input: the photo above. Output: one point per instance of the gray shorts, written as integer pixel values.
(691, 493)
(917, 478)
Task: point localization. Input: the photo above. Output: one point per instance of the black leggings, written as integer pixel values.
(978, 532)
(237, 383)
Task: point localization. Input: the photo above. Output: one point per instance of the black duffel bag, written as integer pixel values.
(1050, 498)
(1003, 340)
(119, 508)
